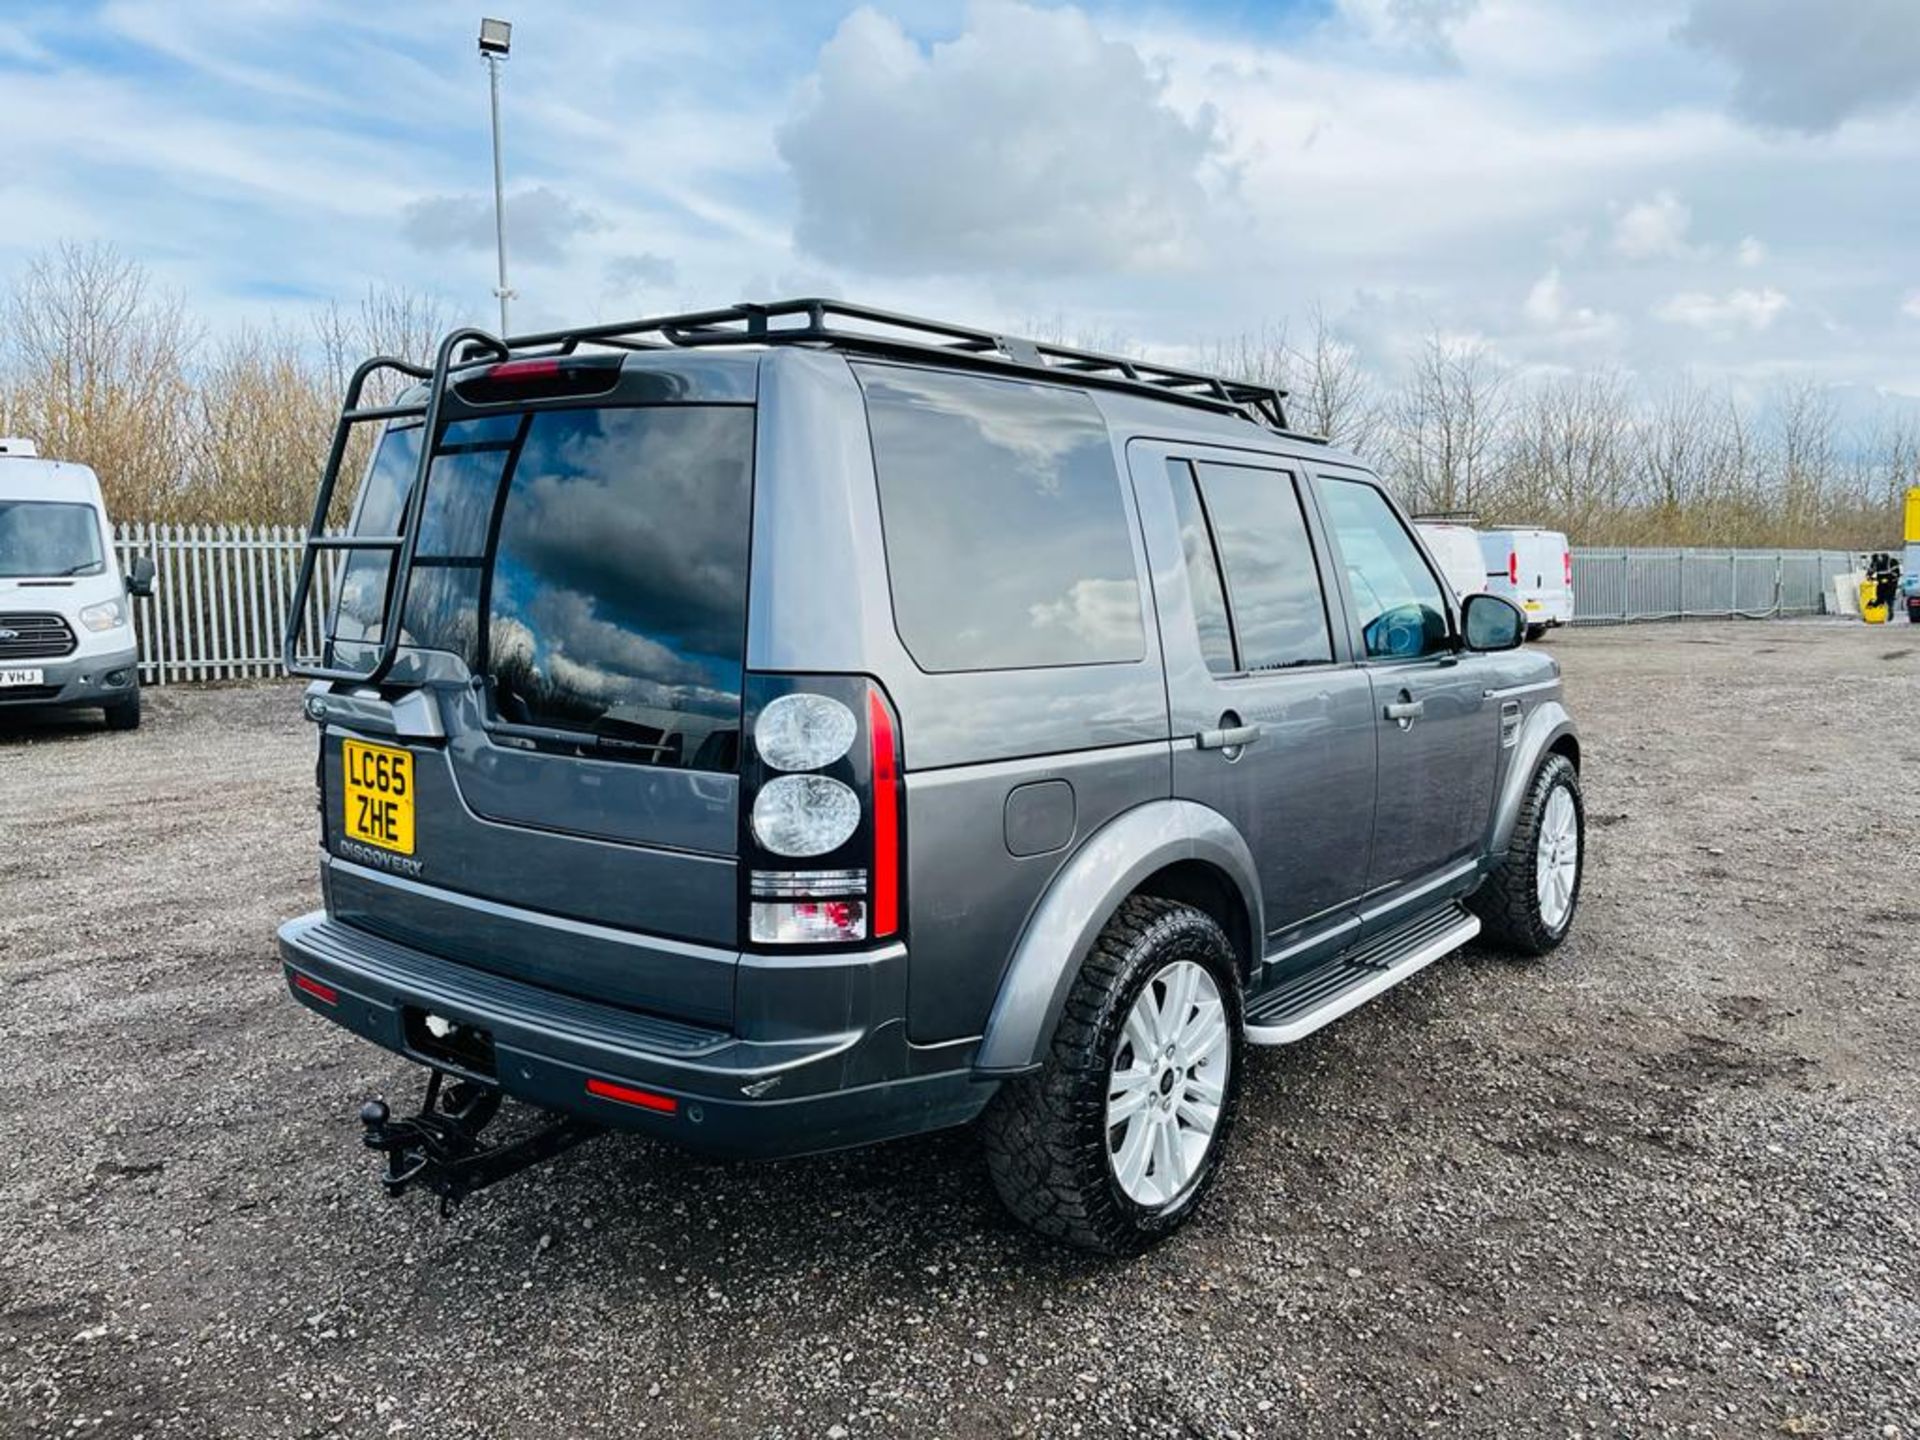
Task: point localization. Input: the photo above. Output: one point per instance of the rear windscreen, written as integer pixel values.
(591, 563)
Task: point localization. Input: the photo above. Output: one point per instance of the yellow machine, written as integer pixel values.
(1913, 516)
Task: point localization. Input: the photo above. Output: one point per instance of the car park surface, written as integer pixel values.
(1664, 1182)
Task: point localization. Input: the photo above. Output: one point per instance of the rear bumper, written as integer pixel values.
(75, 680)
(781, 1094)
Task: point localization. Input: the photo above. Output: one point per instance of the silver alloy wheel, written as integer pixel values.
(1167, 1084)
(1557, 865)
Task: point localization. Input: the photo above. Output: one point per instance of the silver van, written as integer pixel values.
(789, 727)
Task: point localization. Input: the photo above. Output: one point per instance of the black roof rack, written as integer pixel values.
(782, 322)
(882, 332)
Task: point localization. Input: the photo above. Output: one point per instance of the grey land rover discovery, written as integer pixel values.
(793, 726)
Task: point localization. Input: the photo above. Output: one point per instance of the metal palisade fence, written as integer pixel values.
(220, 599)
(1615, 587)
(221, 593)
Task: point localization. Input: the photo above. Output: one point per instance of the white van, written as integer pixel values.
(66, 616)
(1457, 548)
(1534, 569)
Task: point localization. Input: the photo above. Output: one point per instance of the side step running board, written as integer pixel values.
(1304, 1003)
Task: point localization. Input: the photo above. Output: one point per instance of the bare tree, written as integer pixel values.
(1444, 428)
(97, 370)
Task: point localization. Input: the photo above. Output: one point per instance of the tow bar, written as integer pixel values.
(440, 1149)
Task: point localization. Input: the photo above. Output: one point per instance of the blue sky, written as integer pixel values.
(1721, 186)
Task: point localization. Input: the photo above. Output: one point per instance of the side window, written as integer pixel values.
(1279, 614)
(1402, 612)
(1203, 572)
(1008, 544)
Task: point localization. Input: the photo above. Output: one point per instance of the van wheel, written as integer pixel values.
(1111, 1145)
(1528, 903)
(124, 714)
(1535, 633)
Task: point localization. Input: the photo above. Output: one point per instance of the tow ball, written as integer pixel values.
(441, 1149)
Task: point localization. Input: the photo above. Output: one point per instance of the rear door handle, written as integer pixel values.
(1231, 738)
(1406, 711)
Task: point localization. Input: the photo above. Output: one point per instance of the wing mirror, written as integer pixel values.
(140, 577)
(1492, 622)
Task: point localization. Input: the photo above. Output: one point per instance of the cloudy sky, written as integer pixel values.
(1726, 186)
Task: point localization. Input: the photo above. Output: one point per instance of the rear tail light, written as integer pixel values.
(823, 793)
(1513, 566)
(1567, 556)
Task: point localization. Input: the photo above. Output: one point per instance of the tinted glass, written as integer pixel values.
(363, 579)
(461, 490)
(1279, 613)
(1402, 613)
(1203, 572)
(1007, 538)
(46, 538)
(619, 594)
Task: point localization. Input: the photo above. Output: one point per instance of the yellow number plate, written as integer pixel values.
(379, 795)
(1535, 605)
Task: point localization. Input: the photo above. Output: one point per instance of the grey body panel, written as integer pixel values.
(970, 897)
(1109, 866)
(644, 888)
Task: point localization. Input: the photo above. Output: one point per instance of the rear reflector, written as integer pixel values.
(627, 1095)
(325, 994)
(886, 819)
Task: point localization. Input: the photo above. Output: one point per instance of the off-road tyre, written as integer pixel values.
(1046, 1135)
(124, 714)
(1508, 903)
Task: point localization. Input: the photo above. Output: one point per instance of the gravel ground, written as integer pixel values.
(1665, 1183)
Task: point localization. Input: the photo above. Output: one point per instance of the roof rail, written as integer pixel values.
(816, 321)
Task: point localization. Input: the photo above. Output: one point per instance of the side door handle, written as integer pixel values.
(1231, 738)
(1405, 712)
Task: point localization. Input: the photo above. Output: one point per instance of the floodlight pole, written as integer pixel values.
(493, 60)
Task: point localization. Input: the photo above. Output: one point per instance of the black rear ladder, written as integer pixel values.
(476, 344)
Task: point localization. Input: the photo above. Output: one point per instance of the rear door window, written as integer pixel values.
(1008, 540)
(618, 597)
(1279, 612)
(1209, 596)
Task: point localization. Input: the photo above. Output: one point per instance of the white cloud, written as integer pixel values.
(1029, 142)
(1549, 308)
(1654, 229)
(1807, 66)
(1751, 253)
(1737, 310)
(1423, 25)
(1910, 307)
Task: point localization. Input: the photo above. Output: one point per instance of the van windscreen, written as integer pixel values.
(44, 539)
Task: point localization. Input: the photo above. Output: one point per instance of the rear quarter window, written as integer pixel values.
(1007, 537)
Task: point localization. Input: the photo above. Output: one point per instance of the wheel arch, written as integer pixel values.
(1547, 730)
(1175, 849)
